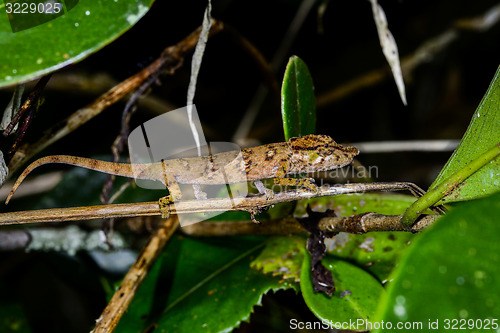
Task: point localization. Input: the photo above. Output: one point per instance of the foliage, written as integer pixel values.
(83, 30)
(215, 284)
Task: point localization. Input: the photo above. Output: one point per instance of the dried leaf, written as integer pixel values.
(389, 47)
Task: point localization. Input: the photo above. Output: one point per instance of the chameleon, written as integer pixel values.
(310, 153)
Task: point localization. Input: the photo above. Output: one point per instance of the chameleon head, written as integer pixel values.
(313, 153)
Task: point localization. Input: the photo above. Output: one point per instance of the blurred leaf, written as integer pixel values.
(207, 285)
(360, 292)
(13, 318)
(482, 134)
(351, 204)
(81, 31)
(450, 271)
(298, 105)
(282, 256)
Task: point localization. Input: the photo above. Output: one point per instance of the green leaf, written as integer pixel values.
(448, 185)
(482, 134)
(208, 286)
(298, 105)
(375, 252)
(359, 289)
(351, 204)
(81, 31)
(282, 256)
(450, 271)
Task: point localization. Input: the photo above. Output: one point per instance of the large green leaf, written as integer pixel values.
(375, 252)
(450, 272)
(206, 286)
(298, 105)
(482, 134)
(356, 296)
(82, 30)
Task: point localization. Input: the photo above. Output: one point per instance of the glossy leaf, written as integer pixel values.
(375, 252)
(84, 29)
(207, 286)
(351, 204)
(356, 296)
(298, 105)
(483, 133)
(450, 272)
(282, 256)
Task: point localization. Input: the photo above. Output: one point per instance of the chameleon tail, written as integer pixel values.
(119, 169)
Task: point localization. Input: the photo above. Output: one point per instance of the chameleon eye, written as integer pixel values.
(327, 145)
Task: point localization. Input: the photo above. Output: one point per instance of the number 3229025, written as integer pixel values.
(469, 324)
(33, 8)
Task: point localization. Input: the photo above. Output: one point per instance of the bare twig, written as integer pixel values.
(131, 282)
(357, 224)
(28, 104)
(398, 146)
(170, 59)
(425, 53)
(99, 82)
(251, 204)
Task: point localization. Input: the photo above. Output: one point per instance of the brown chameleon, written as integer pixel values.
(311, 153)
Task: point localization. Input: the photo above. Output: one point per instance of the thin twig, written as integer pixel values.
(170, 59)
(131, 282)
(252, 204)
(399, 146)
(28, 104)
(99, 82)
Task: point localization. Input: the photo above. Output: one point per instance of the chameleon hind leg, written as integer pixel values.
(280, 179)
(174, 196)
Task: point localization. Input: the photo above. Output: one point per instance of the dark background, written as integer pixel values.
(442, 95)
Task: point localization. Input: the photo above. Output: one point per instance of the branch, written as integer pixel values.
(357, 224)
(131, 282)
(253, 204)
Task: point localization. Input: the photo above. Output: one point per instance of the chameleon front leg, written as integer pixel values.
(264, 190)
(174, 189)
(280, 179)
